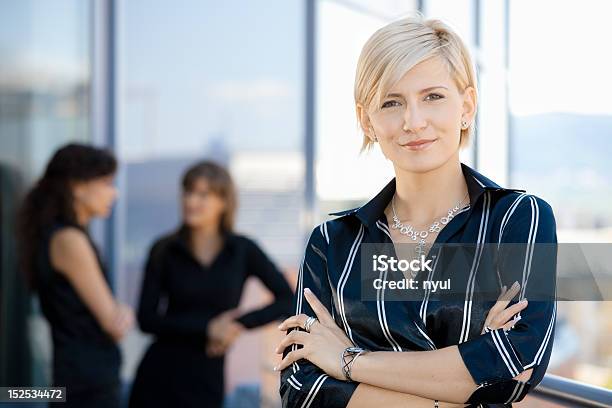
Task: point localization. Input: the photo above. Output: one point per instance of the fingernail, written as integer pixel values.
(524, 300)
(307, 290)
(515, 284)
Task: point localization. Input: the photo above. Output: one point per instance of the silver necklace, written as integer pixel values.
(421, 236)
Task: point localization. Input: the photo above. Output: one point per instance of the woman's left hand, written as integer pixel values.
(323, 346)
(222, 331)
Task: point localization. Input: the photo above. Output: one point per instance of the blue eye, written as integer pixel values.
(390, 104)
(435, 97)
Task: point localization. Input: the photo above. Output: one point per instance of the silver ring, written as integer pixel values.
(309, 322)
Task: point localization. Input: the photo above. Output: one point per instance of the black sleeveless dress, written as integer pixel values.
(85, 359)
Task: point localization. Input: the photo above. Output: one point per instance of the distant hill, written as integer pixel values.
(542, 142)
(567, 159)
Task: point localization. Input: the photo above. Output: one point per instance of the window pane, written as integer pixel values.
(217, 80)
(44, 103)
(561, 122)
(44, 79)
(344, 177)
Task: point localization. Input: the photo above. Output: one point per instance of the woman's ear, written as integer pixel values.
(364, 122)
(469, 104)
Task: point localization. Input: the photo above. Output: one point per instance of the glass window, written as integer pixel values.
(560, 149)
(44, 103)
(346, 178)
(44, 79)
(216, 80)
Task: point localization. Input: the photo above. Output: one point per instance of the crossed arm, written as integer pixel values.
(437, 374)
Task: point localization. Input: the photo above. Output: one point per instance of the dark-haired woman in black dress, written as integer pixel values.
(198, 273)
(63, 265)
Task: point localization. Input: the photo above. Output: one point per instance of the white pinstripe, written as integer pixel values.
(516, 358)
(531, 242)
(467, 306)
(533, 231)
(423, 308)
(298, 306)
(508, 214)
(431, 343)
(291, 380)
(383, 227)
(548, 334)
(380, 300)
(504, 353)
(479, 182)
(296, 381)
(542, 349)
(344, 278)
(331, 306)
(323, 229)
(518, 389)
(382, 315)
(314, 390)
(300, 292)
(462, 210)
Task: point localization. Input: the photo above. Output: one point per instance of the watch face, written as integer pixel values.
(354, 349)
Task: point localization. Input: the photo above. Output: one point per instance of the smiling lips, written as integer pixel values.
(419, 144)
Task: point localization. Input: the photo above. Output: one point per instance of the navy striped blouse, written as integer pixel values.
(331, 269)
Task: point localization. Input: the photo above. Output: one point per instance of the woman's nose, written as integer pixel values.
(414, 119)
(191, 201)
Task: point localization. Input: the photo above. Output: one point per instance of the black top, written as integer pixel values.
(83, 354)
(179, 297)
(195, 293)
(332, 269)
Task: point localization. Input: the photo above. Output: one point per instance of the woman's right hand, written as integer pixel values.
(499, 316)
(123, 321)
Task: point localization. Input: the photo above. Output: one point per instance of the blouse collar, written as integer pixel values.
(373, 210)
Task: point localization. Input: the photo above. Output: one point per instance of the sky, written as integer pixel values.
(560, 59)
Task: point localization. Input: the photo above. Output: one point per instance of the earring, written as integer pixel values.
(464, 124)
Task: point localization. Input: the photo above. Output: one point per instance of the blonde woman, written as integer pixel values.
(416, 97)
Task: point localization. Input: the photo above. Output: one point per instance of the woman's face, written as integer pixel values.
(201, 206)
(418, 125)
(96, 196)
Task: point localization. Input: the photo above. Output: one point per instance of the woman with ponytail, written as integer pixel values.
(64, 267)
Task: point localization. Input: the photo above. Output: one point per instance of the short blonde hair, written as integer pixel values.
(397, 47)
